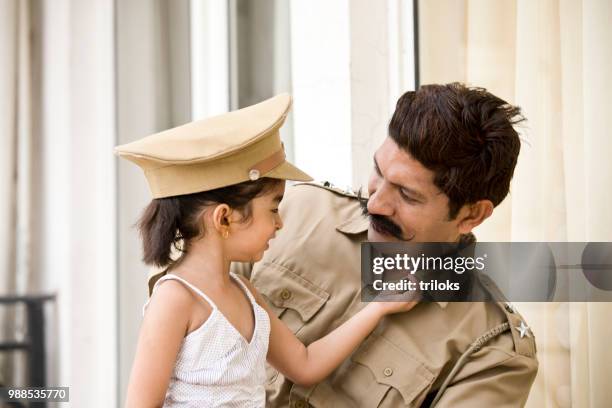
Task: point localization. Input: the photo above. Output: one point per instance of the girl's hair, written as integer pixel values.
(174, 221)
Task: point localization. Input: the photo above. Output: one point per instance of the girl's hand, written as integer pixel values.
(386, 308)
(396, 302)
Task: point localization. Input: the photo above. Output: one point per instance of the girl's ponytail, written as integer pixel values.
(159, 228)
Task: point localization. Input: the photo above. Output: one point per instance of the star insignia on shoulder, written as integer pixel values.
(523, 329)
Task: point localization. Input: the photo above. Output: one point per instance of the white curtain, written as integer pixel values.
(553, 58)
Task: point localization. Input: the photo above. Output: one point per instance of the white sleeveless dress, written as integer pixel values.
(216, 366)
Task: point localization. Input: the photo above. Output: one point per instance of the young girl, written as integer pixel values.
(207, 332)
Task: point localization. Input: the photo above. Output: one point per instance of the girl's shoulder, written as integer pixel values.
(173, 293)
(173, 300)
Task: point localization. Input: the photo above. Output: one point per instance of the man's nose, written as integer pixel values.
(380, 202)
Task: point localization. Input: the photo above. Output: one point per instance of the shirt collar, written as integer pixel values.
(464, 241)
(354, 225)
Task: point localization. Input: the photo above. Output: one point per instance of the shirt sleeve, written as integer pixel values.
(505, 385)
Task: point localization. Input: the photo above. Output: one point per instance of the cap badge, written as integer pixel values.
(254, 174)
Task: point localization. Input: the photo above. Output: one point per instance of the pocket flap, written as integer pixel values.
(285, 289)
(394, 367)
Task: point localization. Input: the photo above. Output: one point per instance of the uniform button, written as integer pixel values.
(285, 294)
(388, 372)
(509, 308)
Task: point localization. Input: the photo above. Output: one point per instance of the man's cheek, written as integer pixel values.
(411, 227)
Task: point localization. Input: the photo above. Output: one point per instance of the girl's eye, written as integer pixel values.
(275, 211)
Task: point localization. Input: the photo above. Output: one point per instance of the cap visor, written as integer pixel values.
(288, 171)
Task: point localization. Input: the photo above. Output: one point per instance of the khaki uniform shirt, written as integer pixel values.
(311, 277)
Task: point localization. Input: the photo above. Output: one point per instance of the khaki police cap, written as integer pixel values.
(216, 152)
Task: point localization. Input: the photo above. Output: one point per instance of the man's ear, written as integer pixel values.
(472, 215)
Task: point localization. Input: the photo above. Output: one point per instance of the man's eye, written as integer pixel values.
(407, 198)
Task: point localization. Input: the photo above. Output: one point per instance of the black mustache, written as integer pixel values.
(380, 223)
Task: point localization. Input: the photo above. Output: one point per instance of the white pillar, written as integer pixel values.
(321, 73)
(382, 69)
(79, 252)
(210, 68)
(9, 40)
(347, 75)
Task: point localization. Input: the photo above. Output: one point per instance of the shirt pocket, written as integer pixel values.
(380, 375)
(292, 298)
(399, 377)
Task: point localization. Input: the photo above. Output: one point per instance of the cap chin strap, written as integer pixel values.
(262, 167)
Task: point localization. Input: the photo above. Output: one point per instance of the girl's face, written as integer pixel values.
(248, 240)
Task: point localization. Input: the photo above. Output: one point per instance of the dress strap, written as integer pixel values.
(170, 276)
(244, 287)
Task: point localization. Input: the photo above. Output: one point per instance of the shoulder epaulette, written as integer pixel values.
(522, 335)
(348, 192)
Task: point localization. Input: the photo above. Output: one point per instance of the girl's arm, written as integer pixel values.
(164, 326)
(309, 365)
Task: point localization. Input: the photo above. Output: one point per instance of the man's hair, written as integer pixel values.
(464, 135)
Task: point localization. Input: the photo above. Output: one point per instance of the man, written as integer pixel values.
(445, 165)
